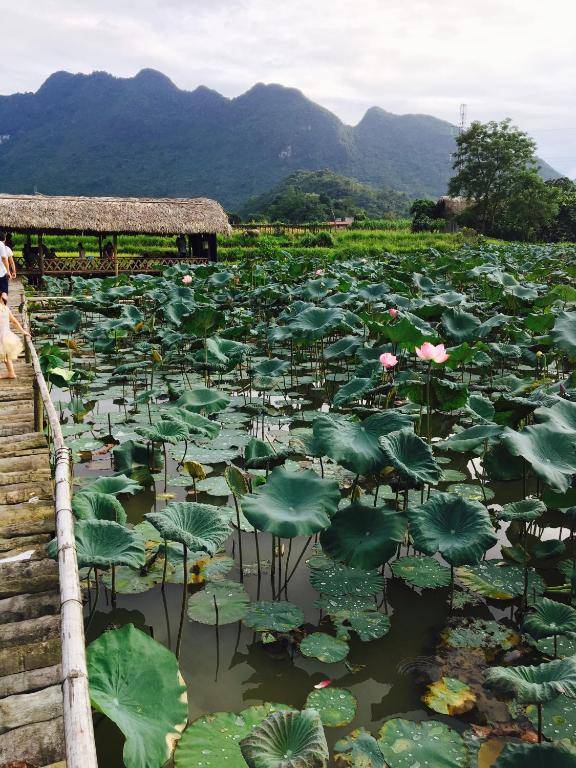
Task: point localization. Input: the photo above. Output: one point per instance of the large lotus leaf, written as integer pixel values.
(292, 503)
(406, 743)
(446, 395)
(549, 618)
(103, 543)
(355, 389)
(410, 456)
(275, 616)
(460, 325)
(498, 581)
(459, 529)
(213, 740)
(524, 510)
(355, 445)
(471, 438)
(321, 646)
(202, 320)
(558, 719)
(194, 422)
(449, 696)
(477, 633)
(135, 681)
(536, 756)
(114, 484)
(129, 581)
(357, 613)
(130, 455)
(344, 347)
(359, 750)
(272, 366)
(197, 526)
(98, 506)
(287, 740)
(561, 415)
(203, 400)
(229, 598)
(68, 321)
(424, 572)
(315, 322)
(336, 706)
(536, 684)
(364, 536)
(172, 432)
(481, 408)
(550, 452)
(564, 332)
(338, 579)
(258, 453)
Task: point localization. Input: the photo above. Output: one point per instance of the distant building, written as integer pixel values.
(341, 223)
(449, 208)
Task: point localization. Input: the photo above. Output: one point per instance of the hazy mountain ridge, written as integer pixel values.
(98, 134)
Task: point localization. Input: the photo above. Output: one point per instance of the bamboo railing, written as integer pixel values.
(77, 713)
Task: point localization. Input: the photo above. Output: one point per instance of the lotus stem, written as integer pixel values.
(273, 567)
(539, 708)
(95, 605)
(293, 571)
(239, 538)
(165, 565)
(184, 596)
(113, 586)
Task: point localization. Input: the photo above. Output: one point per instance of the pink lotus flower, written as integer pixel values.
(323, 684)
(388, 360)
(393, 312)
(431, 353)
(187, 279)
(319, 272)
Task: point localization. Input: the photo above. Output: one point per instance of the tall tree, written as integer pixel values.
(488, 162)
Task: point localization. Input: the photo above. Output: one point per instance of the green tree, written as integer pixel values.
(489, 162)
(530, 209)
(564, 226)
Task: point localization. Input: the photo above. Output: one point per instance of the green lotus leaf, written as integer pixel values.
(364, 536)
(535, 684)
(446, 395)
(274, 616)
(459, 529)
(336, 706)
(481, 407)
(561, 415)
(564, 332)
(258, 453)
(103, 543)
(549, 618)
(355, 389)
(449, 696)
(272, 366)
(411, 457)
(228, 597)
(321, 646)
(292, 503)
(68, 321)
(478, 633)
(406, 743)
(203, 400)
(194, 422)
(338, 579)
(202, 320)
(197, 526)
(471, 438)
(471, 491)
(355, 445)
(558, 647)
(558, 719)
(359, 750)
(135, 681)
(425, 572)
(536, 756)
(98, 506)
(344, 347)
(172, 432)
(114, 484)
(550, 452)
(524, 510)
(315, 322)
(287, 740)
(214, 740)
(497, 581)
(460, 325)
(350, 612)
(236, 481)
(130, 455)
(129, 581)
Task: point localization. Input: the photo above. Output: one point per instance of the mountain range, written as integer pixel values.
(98, 134)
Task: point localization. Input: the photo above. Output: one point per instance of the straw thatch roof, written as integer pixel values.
(105, 215)
(452, 206)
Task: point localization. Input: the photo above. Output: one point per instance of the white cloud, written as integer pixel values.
(502, 57)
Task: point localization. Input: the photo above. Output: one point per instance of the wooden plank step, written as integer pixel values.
(28, 708)
(34, 546)
(18, 633)
(28, 577)
(38, 743)
(35, 459)
(23, 492)
(20, 392)
(32, 656)
(26, 519)
(19, 444)
(17, 427)
(32, 680)
(29, 606)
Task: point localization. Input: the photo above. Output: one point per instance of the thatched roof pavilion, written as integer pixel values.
(104, 215)
(194, 222)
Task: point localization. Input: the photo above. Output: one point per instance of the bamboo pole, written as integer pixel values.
(78, 726)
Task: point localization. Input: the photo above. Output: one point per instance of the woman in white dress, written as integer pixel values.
(10, 345)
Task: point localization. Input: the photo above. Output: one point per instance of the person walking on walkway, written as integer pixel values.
(10, 345)
(4, 265)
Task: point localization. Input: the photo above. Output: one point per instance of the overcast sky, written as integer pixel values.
(502, 58)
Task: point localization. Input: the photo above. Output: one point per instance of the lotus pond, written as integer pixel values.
(326, 509)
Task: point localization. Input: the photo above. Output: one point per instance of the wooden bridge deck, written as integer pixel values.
(31, 722)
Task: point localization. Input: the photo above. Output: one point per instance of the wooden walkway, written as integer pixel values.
(31, 722)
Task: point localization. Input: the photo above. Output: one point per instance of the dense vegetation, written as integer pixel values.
(322, 196)
(143, 136)
(344, 484)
